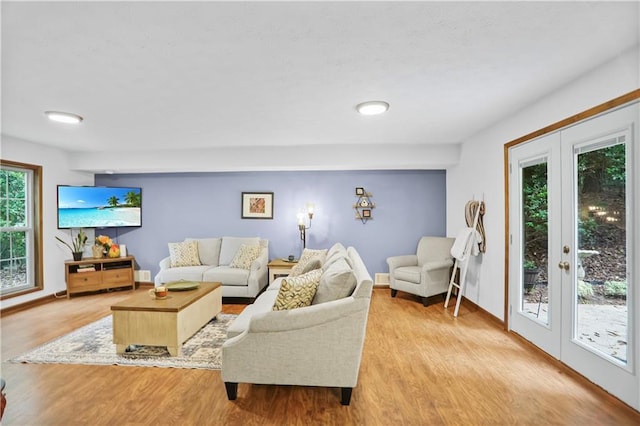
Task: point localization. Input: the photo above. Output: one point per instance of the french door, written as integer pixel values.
(574, 222)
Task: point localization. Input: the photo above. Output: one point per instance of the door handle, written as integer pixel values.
(564, 265)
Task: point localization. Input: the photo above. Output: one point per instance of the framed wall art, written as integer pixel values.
(257, 205)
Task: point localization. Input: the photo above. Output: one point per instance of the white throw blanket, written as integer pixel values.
(466, 243)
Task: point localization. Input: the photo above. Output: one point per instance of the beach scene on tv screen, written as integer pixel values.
(96, 207)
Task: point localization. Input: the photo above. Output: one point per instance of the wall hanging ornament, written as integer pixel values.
(364, 204)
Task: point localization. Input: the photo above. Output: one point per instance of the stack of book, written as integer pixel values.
(87, 268)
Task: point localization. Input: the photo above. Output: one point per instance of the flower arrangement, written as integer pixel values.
(77, 243)
(104, 241)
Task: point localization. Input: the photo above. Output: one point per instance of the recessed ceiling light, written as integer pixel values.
(63, 117)
(372, 107)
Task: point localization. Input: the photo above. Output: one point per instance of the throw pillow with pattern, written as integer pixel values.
(297, 292)
(309, 266)
(245, 256)
(184, 254)
(307, 256)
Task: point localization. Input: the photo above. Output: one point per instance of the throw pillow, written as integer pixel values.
(336, 282)
(208, 250)
(337, 247)
(230, 246)
(337, 251)
(309, 266)
(184, 254)
(307, 256)
(297, 292)
(245, 256)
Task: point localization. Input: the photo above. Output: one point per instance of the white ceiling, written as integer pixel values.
(154, 76)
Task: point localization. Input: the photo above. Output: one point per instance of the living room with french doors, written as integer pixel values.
(600, 341)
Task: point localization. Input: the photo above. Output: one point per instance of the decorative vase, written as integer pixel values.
(114, 251)
(77, 255)
(98, 251)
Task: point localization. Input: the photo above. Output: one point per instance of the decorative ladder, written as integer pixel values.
(461, 265)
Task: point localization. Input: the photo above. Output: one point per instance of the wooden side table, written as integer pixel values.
(279, 267)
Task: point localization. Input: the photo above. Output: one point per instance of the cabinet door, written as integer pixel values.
(84, 281)
(117, 276)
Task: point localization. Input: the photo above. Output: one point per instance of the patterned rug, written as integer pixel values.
(93, 344)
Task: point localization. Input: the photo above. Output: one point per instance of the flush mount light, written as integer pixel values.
(63, 117)
(372, 107)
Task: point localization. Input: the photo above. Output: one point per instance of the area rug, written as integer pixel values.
(93, 344)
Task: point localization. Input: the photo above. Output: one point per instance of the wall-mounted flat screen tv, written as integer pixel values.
(99, 207)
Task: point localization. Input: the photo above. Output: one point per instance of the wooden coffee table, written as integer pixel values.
(169, 322)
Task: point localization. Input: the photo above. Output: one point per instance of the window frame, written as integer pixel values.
(34, 209)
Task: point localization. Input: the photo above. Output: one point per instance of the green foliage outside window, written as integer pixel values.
(599, 170)
(13, 210)
(535, 212)
(12, 198)
(615, 288)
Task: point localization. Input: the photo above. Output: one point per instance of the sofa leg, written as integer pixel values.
(394, 292)
(346, 396)
(425, 301)
(232, 390)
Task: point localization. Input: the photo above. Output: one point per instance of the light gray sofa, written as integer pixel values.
(317, 345)
(216, 254)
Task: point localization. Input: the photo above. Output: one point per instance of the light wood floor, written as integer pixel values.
(420, 367)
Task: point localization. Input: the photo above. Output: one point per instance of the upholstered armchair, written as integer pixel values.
(425, 273)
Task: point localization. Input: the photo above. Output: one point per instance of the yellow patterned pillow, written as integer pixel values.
(297, 292)
(308, 255)
(245, 256)
(184, 254)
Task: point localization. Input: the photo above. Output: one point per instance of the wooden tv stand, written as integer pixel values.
(109, 273)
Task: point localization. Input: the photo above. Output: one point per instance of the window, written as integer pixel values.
(20, 213)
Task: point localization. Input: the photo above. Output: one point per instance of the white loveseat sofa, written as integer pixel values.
(316, 345)
(215, 256)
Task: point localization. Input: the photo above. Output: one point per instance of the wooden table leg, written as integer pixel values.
(175, 350)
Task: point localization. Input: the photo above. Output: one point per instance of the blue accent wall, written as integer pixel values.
(408, 205)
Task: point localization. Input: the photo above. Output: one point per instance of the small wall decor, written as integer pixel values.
(257, 205)
(363, 205)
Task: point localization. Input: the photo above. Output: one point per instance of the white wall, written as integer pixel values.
(278, 158)
(480, 171)
(55, 171)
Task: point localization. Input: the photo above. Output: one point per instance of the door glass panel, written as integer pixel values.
(601, 276)
(535, 241)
